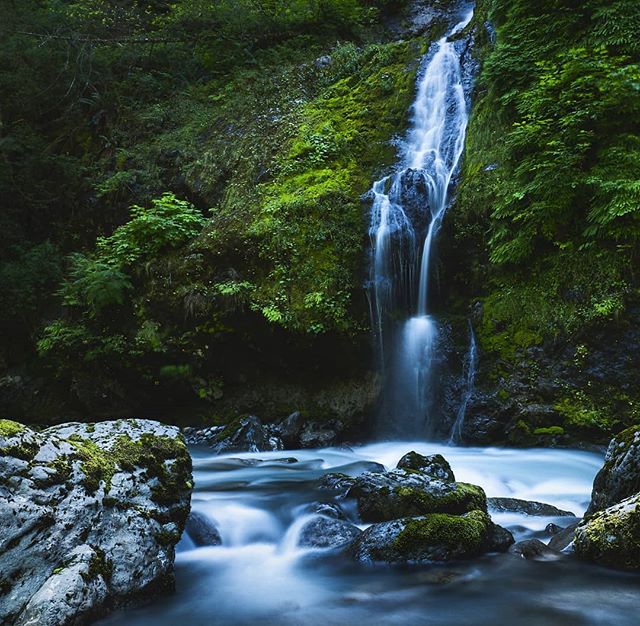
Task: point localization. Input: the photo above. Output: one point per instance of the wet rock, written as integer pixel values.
(534, 549)
(563, 539)
(247, 434)
(325, 532)
(528, 507)
(337, 483)
(499, 539)
(402, 493)
(620, 476)
(328, 509)
(553, 529)
(437, 537)
(90, 515)
(612, 537)
(321, 434)
(202, 530)
(434, 465)
(290, 429)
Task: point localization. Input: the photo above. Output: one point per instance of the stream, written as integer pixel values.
(259, 575)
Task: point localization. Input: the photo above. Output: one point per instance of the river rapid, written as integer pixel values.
(259, 576)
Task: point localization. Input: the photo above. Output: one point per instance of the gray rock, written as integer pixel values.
(247, 434)
(325, 532)
(321, 434)
(562, 540)
(534, 549)
(90, 515)
(528, 507)
(620, 476)
(328, 509)
(612, 537)
(428, 538)
(202, 530)
(434, 465)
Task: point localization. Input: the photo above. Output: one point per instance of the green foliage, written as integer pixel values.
(167, 223)
(558, 210)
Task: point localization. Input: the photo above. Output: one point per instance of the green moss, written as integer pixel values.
(9, 428)
(150, 452)
(581, 414)
(552, 431)
(466, 534)
(462, 498)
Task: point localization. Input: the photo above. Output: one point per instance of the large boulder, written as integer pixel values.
(436, 537)
(619, 478)
(612, 537)
(90, 515)
(405, 493)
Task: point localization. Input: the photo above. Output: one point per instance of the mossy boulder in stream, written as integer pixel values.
(612, 537)
(436, 537)
(90, 515)
(401, 493)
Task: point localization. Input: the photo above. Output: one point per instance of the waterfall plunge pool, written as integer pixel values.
(260, 577)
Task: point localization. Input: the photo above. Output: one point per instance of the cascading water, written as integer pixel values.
(407, 212)
(469, 376)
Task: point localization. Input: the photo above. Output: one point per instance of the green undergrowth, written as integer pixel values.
(549, 195)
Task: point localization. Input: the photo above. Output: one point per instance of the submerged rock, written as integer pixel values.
(434, 465)
(90, 515)
(619, 478)
(612, 537)
(534, 549)
(202, 530)
(402, 493)
(436, 537)
(528, 507)
(325, 532)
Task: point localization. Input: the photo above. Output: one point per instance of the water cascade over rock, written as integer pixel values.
(407, 212)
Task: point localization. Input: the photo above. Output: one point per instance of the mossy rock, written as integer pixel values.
(436, 537)
(402, 493)
(612, 537)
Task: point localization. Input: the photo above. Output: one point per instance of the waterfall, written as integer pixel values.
(407, 211)
(469, 378)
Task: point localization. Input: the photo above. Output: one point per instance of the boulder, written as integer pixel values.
(612, 537)
(201, 530)
(620, 476)
(90, 515)
(321, 434)
(402, 493)
(534, 549)
(436, 537)
(246, 434)
(326, 532)
(528, 507)
(328, 509)
(434, 465)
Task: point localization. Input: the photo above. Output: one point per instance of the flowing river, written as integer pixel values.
(259, 575)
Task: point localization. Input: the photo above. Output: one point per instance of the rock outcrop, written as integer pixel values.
(620, 476)
(90, 515)
(612, 537)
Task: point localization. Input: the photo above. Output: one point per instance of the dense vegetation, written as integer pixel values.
(550, 193)
(181, 180)
(182, 211)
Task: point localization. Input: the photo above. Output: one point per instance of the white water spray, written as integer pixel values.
(407, 212)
